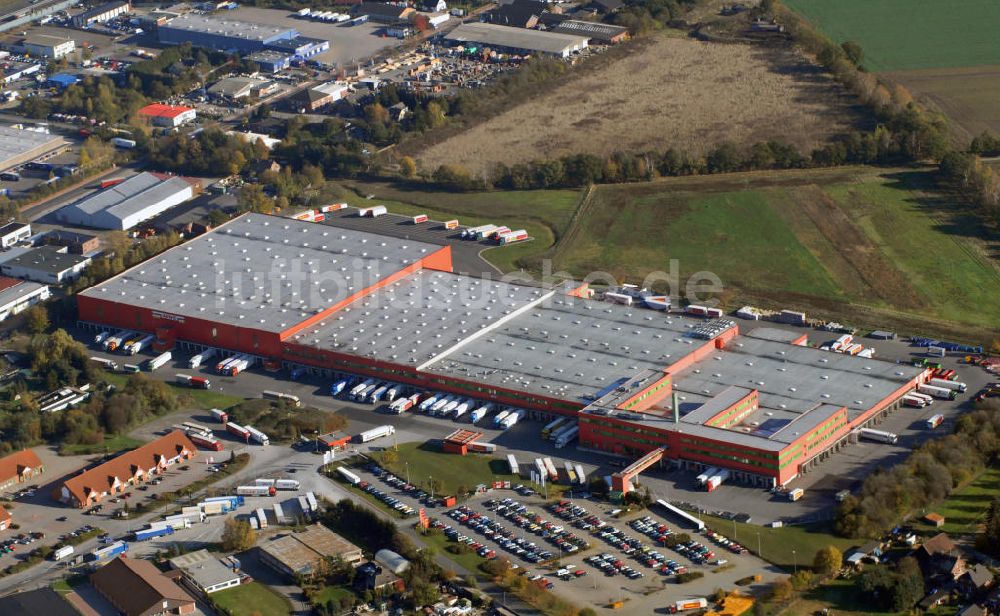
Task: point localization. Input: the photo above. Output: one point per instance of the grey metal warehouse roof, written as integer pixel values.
(516, 38)
(124, 201)
(263, 272)
(796, 378)
(18, 145)
(204, 24)
(420, 317)
(572, 348)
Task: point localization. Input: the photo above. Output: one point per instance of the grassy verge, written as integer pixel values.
(111, 444)
(250, 599)
(421, 463)
(786, 546)
(197, 398)
(228, 468)
(333, 476)
(965, 509)
(467, 559)
(544, 214)
(334, 594)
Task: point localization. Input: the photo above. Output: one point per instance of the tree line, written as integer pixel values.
(930, 474)
(57, 360)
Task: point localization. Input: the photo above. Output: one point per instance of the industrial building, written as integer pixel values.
(102, 13)
(271, 61)
(14, 233)
(49, 46)
(17, 296)
(301, 47)
(168, 116)
(18, 146)
(507, 39)
(596, 32)
(129, 469)
(222, 34)
(299, 553)
(47, 264)
(13, 71)
(204, 572)
(382, 12)
(129, 203)
(236, 88)
(641, 382)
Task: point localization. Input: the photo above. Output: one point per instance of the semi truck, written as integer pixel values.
(717, 479)
(256, 490)
(428, 403)
(337, 388)
(550, 469)
(206, 442)
(879, 436)
(63, 552)
(238, 430)
(551, 426)
(499, 417)
(219, 415)
(197, 382)
(796, 494)
(108, 552)
(570, 472)
(257, 436)
(231, 502)
(138, 345)
(581, 476)
(934, 421)
(357, 389)
(158, 361)
(111, 343)
(375, 433)
(462, 408)
(567, 437)
(948, 384)
(286, 484)
(685, 605)
(348, 476)
(478, 414)
(107, 364)
(937, 392)
(197, 360)
(152, 533)
(512, 418)
(914, 402)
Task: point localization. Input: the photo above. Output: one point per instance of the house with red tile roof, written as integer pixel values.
(19, 467)
(128, 469)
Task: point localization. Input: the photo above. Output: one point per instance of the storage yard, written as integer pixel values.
(696, 96)
(408, 320)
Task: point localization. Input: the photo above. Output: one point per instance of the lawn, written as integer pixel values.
(785, 546)
(877, 248)
(252, 598)
(421, 462)
(544, 214)
(911, 34)
(197, 398)
(470, 561)
(331, 593)
(111, 444)
(966, 508)
(840, 596)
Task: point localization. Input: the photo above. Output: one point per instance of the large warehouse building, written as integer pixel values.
(222, 34)
(640, 381)
(517, 40)
(18, 146)
(125, 205)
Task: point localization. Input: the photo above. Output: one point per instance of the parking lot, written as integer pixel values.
(576, 547)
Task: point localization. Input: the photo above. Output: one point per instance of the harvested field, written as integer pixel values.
(966, 95)
(668, 92)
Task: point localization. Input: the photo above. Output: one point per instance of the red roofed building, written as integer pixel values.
(128, 469)
(169, 116)
(19, 467)
(5, 519)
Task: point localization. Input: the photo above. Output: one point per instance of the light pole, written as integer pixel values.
(432, 486)
(759, 553)
(795, 563)
(406, 465)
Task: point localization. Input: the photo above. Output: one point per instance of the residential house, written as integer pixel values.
(607, 6)
(137, 588)
(19, 467)
(128, 469)
(938, 557)
(975, 580)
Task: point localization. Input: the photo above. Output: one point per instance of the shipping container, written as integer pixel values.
(372, 212)
(482, 447)
(333, 207)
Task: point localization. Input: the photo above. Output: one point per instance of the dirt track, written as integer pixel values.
(672, 92)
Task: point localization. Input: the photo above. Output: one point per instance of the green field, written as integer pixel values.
(331, 593)
(965, 509)
(839, 596)
(111, 444)
(252, 598)
(787, 546)
(198, 398)
(422, 462)
(911, 34)
(544, 214)
(869, 246)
